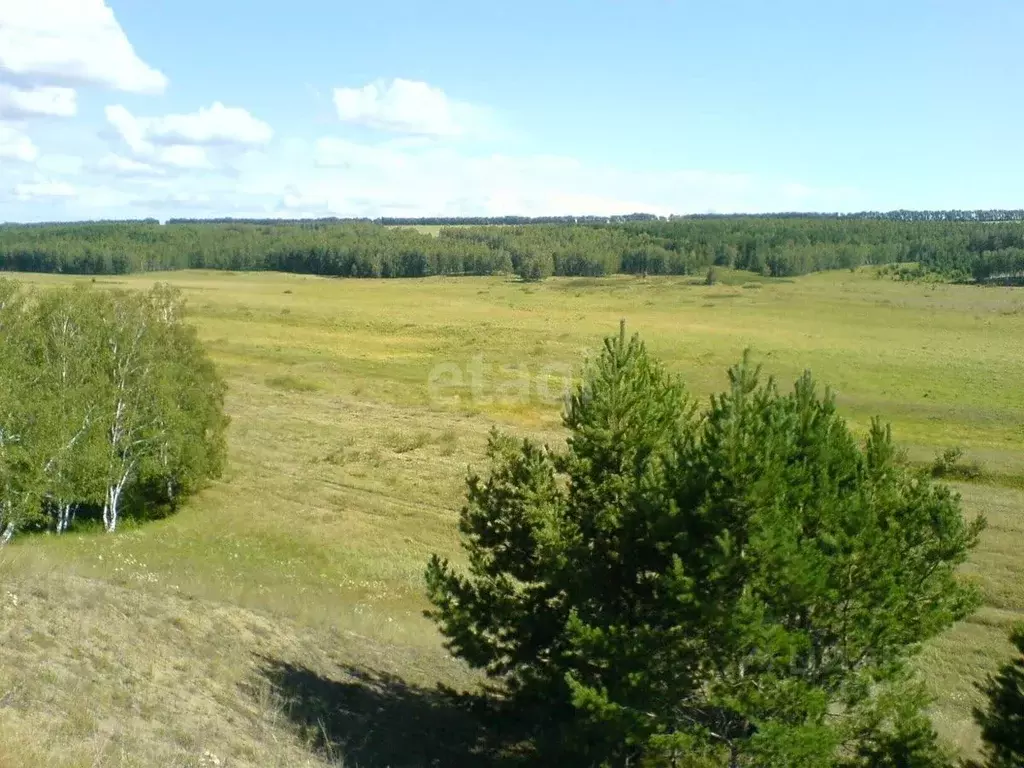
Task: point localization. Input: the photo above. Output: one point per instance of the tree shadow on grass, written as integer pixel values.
(374, 719)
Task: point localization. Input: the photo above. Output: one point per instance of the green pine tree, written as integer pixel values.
(1002, 723)
(739, 586)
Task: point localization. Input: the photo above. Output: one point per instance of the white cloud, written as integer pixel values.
(177, 199)
(414, 172)
(341, 177)
(60, 164)
(332, 152)
(44, 189)
(406, 106)
(70, 43)
(348, 178)
(44, 101)
(129, 129)
(181, 141)
(216, 125)
(15, 145)
(183, 156)
(125, 166)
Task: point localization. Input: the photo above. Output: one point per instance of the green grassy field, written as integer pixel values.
(435, 229)
(426, 229)
(276, 619)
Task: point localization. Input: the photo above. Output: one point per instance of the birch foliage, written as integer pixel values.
(108, 405)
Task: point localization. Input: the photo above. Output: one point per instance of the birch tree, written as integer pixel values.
(164, 418)
(189, 424)
(131, 417)
(105, 397)
(68, 332)
(17, 486)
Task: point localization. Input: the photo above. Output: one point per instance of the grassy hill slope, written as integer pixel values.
(276, 620)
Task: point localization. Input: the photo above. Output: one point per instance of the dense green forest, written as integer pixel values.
(108, 403)
(952, 246)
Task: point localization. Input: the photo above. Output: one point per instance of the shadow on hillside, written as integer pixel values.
(374, 719)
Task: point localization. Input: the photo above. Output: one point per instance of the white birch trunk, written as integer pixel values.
(65, 514)
(111, 507)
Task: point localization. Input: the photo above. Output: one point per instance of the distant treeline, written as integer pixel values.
(463, 221)
(984, 215)
(781, 245)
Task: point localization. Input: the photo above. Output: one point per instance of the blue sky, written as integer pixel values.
(131, 108)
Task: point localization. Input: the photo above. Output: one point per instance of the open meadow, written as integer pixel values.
(427, 229)
(275, 620)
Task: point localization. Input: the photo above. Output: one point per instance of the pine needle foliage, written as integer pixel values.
(742, 584)
(1002, 722)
